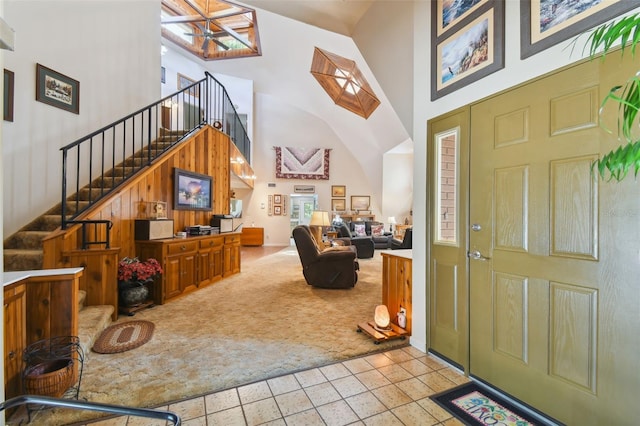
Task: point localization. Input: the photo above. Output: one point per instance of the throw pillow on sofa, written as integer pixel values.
(359, 230)
(377, 230)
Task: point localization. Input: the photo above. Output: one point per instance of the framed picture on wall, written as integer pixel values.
(338, 190)
(57, 89)
(360, 202)
(184, 81)
(468, 52)
(449, 13)
(277, 210)
(277, 199)
(544, 23)
(338, 204)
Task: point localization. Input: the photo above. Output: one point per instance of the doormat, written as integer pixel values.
(477, 406)
(123, 337)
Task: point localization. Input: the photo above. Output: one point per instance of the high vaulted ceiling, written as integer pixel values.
(339, 16)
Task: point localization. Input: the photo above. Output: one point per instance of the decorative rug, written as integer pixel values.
(477, 406)
(123, 337)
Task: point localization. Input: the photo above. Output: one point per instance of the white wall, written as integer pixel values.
(398, 186)
(111, 47)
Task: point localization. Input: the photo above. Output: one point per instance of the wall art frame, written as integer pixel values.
(449, 14)
(9, 78)
(277, 199)
(360, 202)
(338, 190)
(338, 204)
(184, 81)
(192, 191)
(539, 32)
(454, 64)
(57, 89)
(304, 189)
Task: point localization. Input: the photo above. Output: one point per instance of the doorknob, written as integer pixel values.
(475, 254)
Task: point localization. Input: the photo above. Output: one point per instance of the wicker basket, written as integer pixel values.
(49, 378)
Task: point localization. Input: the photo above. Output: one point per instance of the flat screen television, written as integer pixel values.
(193, 191)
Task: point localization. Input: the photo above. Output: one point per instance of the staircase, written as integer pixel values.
(23, 250)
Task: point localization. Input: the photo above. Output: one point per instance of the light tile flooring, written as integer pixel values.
(387, 388)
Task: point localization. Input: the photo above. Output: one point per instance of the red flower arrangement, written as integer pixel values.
(133, 270)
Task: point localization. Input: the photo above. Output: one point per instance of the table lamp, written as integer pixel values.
(392, 221)
(319, 219)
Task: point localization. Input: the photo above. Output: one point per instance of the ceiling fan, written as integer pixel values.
(208, 35)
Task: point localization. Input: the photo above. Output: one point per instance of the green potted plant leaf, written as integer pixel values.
(617, 163)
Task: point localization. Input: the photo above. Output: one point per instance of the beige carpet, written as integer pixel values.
(264, 322)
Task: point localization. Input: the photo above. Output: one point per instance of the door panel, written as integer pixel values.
(448, 153)
(552, 271)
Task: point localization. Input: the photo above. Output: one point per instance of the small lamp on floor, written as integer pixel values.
(319, 219)
(392, 221)
(381, 317)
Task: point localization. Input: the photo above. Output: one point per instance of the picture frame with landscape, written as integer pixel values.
(338, 190)
(468, 52)
(56, 89)
(360, 202)
(546, 23)
(338, 204)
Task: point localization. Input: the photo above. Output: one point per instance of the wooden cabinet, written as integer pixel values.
(252, 236)
(210, 261)
(51, 298)
(190, 263)
(397, 283)
(15, 337)
(231, 255)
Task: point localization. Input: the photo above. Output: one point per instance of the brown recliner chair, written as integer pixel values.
(334, 267)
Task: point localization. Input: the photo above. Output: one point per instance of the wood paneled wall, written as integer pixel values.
(205, 152)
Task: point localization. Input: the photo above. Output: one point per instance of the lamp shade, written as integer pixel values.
(320, 218)
(392, 220)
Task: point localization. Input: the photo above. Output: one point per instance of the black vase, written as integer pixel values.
(133, 294)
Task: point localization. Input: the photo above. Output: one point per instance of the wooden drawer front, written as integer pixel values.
(182, 247)
(212, 242)
(232, 239)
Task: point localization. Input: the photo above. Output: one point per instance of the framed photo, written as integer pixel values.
(157, 210)
(338, 204)
(471, 51)
(360, 202)
(277, 199)
(57, 89)
(8, 95)
(338, 190)
(184, 81)
(544, 23)
(304, 189)
(448, 14)
(192, 191)
(277, 210)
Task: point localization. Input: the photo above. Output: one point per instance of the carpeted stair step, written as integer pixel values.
(27, 240)
(72, 207)
(91, 321)
(22, 260)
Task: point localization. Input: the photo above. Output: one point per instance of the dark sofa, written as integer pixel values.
(364, 245)
(381, 239)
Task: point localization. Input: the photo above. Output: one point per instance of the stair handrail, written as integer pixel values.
(136, 137)
(91, 406)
